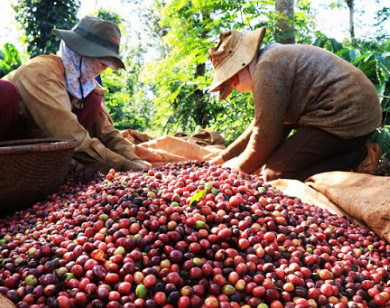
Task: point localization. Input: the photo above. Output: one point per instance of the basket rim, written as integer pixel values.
(36, 145)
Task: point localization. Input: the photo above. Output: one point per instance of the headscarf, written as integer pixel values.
(80, 71)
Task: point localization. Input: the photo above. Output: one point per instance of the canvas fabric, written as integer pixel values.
(204, 145)
(364, 197)
(5, 302)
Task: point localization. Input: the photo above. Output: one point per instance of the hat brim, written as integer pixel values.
(242, 57)
(85, 47)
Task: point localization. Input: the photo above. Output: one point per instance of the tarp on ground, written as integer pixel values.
(363, 198)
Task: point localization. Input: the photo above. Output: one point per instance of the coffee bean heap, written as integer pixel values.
(187, 235)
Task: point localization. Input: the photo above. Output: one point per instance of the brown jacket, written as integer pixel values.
(46, 111)
(304, 85)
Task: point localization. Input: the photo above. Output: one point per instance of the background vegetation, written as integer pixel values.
(164, 89)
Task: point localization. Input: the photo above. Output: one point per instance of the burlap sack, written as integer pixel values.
(364, 197)
(203, 137)
(309, 195)
(178, 149)
(147, 155)
(204, 145)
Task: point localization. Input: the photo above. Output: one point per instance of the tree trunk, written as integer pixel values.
(201, 103)
(350, 4)
(285, 31)
(200, 96)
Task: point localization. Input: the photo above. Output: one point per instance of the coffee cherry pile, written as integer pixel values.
(187, 235)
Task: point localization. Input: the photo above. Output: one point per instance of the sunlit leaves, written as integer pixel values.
(384, 65)
(382, 137)
(9, 59)
(37, 18)
(180, 78)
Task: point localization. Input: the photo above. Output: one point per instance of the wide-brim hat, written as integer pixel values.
(93, 37)
(234, 52)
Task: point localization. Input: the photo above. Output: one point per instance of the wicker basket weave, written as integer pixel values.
(5, 302)
(30, 169)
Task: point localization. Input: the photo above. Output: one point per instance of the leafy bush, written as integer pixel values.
(182, 72)
(9, 59)
(382, 137)
(37, 18)
(125, 99)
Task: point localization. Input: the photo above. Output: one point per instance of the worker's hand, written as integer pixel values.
(76, 168)
(135, 165)
(218, 160)
(232, 164)
(146, 154)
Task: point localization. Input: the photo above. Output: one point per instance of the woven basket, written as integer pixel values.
(30, 169)
(5, 302)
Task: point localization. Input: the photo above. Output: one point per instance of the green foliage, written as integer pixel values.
(382, 16)
(180, 78)
(125, 96)
(37, 18)
(111, 16)
(382, 137)
(9, 59)
(123, 99)
(237, 114)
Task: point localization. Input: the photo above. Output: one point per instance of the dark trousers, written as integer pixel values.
(9, 111)
(311, 150)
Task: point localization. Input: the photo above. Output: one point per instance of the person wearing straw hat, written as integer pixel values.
(58, 96)
(332, 106)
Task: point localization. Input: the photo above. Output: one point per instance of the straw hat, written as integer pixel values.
(93, 37)
(234, 51)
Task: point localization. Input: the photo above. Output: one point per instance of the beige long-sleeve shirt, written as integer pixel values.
(304, 85)
(46, 111)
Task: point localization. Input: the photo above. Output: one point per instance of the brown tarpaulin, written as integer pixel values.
(363, 198)
(309, 195)
(203, 145)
